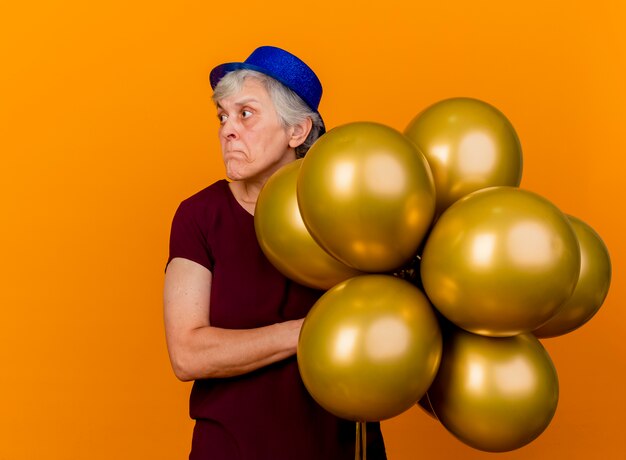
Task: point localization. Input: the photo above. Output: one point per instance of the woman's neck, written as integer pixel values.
(246, 193)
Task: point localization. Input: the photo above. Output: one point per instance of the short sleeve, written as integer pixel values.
(188, 237)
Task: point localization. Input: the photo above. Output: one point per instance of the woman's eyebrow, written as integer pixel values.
(240, 103)
(246, 101)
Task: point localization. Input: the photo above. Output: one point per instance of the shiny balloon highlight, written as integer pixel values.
(469, 145)
(500, 262)
(494, 394)
(284, 238)
(369, 348)
(367, 196)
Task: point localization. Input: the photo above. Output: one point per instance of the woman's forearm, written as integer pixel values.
(211, 352)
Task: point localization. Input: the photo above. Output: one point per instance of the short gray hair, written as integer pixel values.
(291, 109)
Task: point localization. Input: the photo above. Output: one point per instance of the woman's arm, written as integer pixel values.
(197, 350)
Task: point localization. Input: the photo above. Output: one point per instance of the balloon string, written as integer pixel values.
(364, 440)
(360, 448)
(357, 446)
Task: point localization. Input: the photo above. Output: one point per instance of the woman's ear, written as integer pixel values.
(300, 132)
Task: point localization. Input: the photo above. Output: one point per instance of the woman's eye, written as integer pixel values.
(222, 117)
(246, 113)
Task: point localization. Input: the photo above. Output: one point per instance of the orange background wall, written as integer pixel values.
(106, 124)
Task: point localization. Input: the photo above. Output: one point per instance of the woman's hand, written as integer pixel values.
(197, 350)
(291, 331)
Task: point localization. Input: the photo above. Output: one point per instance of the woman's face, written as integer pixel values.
(254, 142)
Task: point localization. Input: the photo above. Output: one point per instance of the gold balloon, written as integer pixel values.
(469, 145)
(367, 196)
(285, 240)
(494, 394)
(369, 348)
(500, 262)
(591, 289)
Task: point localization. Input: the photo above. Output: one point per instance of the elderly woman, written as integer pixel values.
(232, 320)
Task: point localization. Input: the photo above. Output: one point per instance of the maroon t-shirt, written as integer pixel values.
(268, 413)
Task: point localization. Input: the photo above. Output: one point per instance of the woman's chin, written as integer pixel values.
(235, 172)
(232, 177)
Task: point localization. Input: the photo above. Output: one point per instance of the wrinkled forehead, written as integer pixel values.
(251, 93)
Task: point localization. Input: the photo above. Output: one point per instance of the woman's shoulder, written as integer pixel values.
(194, 224)
(205, 205)
(210, 199)
(212, 194)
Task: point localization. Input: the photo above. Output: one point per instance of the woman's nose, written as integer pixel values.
(229, 130)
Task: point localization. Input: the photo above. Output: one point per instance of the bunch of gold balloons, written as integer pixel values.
(393, 224)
